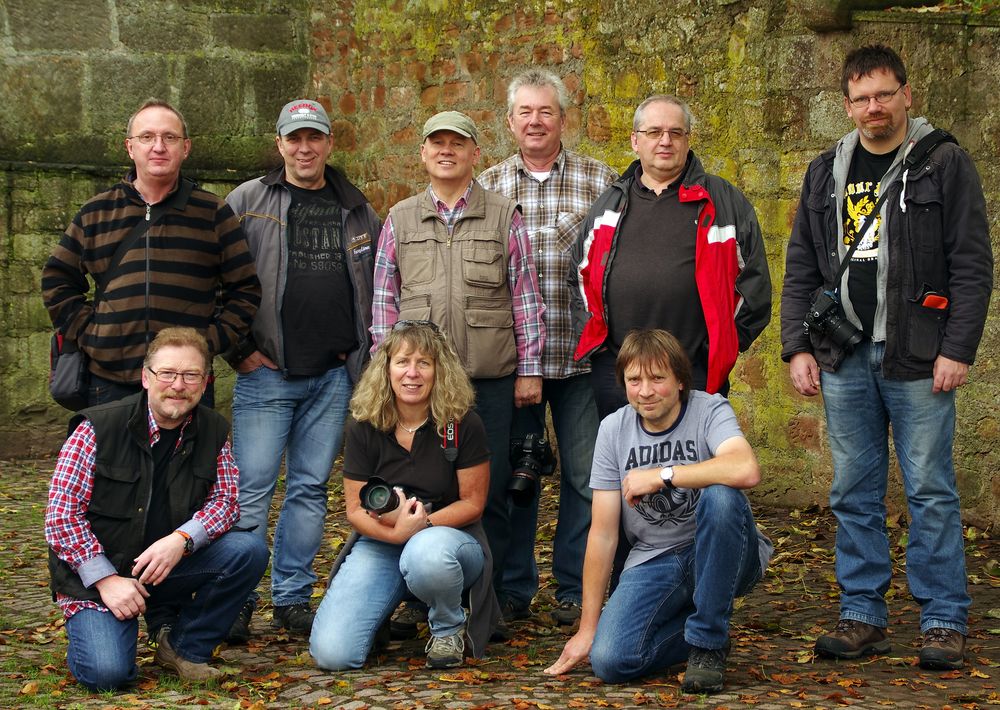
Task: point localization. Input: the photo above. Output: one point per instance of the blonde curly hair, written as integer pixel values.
(451, 397)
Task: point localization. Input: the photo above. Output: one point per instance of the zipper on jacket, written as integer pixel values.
(148, 208)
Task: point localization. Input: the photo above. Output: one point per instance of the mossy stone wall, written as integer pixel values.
(763, 86)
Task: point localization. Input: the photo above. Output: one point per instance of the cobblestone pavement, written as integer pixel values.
(771, 665)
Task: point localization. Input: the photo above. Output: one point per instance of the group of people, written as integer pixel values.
(427, 344)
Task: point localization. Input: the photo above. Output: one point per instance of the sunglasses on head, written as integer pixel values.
(402, 324)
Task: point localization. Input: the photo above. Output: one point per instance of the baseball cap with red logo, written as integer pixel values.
(302, 113)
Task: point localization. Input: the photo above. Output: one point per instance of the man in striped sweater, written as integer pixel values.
(190, 267)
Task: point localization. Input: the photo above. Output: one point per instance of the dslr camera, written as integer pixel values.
(824, 317)
(530, 457)
(378, 496)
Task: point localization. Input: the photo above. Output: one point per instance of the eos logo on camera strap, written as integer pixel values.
(450, 441)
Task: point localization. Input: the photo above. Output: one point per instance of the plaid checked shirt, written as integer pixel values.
(553, 212)
(68, 532)
(528, 307)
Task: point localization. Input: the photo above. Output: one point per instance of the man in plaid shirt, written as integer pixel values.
(140, 506)
(555, 187)
(459, 256)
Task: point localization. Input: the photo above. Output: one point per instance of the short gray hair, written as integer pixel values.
(667, 99)
(156, 103)
(538, 77)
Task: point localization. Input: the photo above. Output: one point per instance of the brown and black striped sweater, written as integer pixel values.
(201, 275)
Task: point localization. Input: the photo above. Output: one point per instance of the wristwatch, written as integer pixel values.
(667, 476)
(188, 542)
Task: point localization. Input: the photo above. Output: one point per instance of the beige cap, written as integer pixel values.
(451, 121)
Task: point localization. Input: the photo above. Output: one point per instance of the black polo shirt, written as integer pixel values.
(422, 471)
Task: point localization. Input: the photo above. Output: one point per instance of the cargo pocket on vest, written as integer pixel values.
(415, 307)
(482, 264)
(491, 348)
(114, 493)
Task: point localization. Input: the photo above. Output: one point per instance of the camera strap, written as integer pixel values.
(916, 156)
(449, 442)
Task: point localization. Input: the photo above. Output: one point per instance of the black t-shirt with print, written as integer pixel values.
(317, 311)
(860, 196)
(422, 471)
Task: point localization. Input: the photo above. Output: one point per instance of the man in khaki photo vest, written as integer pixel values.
(459, 256)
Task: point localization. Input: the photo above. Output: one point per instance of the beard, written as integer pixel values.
(886, 130)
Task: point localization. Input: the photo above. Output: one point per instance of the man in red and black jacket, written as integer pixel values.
(668, 246)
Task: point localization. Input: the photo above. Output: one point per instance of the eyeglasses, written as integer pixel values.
(881, 98)
(150, 138)
(401, 324)
(167, 377)
(655, 134)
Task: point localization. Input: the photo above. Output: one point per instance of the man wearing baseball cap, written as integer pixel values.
(310, 232)
(458, 255)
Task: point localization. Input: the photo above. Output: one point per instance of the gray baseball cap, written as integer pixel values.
(302, 113)
(451, 121)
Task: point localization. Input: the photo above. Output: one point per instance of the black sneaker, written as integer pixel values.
(706, 670)
(296, 618)
(567, 613)
(853, 639)
(239, 632)
(405, 621)
(512, 612)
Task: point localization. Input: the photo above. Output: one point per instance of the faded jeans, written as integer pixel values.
(860, 404)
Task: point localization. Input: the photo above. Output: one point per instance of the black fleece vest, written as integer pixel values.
(123, 477)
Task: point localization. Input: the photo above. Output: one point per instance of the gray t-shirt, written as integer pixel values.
(665, 520)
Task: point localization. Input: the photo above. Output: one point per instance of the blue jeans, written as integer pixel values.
(436, 565)
(682, 598)
(860, 404)
(495, 406)
(208, 588)
(574, 416)
(303, 418)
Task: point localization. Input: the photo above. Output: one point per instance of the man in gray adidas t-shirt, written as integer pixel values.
(670, 467)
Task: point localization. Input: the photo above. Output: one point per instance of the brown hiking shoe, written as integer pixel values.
(167, 657)
(853, 639)
(943, 649)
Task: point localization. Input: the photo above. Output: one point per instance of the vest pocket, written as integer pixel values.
(415, 307)
(416, 262)
(482, 264)
(114, 492)
(491, 348)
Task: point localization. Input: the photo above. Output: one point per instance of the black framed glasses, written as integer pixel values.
(881, 98)
(167, 377)
(401, 324)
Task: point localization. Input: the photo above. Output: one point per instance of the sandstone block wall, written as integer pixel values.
(763, 86)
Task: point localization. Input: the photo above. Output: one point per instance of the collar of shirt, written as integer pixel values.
(154, 429)
(558, 164)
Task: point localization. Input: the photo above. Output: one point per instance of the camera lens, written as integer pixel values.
(522, 487)
(378, 496)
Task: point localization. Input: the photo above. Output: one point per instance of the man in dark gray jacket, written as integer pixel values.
(903, 328)
(310, 232)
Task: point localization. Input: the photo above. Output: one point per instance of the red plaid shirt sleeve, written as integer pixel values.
(67, 530)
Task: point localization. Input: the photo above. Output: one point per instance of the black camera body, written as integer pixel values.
(825, 318)
(530, 457)
(378, 496)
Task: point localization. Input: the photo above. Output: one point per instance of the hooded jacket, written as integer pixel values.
(934, 241)
(734, 285)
